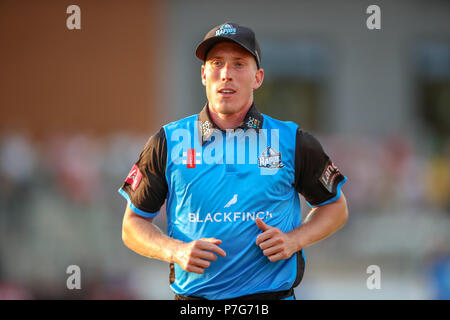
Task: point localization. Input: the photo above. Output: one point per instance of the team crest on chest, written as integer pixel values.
(270, 159)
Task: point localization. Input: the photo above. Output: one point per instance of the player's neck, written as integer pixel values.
(229, 120)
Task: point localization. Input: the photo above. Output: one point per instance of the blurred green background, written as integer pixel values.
(77, 106)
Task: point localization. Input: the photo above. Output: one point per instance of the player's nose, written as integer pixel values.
(225, 73)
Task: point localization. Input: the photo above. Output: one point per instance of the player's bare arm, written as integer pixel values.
(320, 223)
(142, 236)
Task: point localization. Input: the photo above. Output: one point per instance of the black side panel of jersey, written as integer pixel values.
(316, 177)
(151, 192)
(300, 269)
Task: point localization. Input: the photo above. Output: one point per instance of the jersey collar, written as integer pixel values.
(252, 120)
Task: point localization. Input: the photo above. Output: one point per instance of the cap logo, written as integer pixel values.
(225, 30)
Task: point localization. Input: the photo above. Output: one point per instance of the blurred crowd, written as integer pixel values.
(392, 173)
(58, 201)
(56, 191)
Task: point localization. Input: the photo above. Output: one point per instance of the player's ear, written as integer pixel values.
(259, 77)
(203, 75)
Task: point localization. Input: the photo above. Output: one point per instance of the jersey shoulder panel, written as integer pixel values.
(272, 123)
(181, 123)
(316, 176)
(145, 187)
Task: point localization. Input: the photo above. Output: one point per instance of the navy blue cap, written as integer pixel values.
(230, 31)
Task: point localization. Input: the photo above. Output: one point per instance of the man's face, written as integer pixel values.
(230, 75)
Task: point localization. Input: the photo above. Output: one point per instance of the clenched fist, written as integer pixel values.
(276, 244)
(196, 256)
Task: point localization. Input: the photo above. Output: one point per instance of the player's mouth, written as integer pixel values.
(226, 92)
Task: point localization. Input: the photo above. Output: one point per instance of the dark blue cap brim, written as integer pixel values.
(206, 45)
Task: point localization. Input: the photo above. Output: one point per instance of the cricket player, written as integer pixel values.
(231, 178)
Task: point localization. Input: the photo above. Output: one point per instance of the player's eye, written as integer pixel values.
(216, 63)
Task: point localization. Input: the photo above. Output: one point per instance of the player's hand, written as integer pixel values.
(275, 244)
(196, 256)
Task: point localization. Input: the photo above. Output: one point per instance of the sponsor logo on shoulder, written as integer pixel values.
(134, 177)
(329, 175)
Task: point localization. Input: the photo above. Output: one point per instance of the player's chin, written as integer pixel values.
(226, 106)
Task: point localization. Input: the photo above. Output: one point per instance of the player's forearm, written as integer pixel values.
(320, 223)
(145, 238)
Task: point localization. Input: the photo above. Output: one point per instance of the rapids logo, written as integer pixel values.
(226, 29)
(270, 159)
